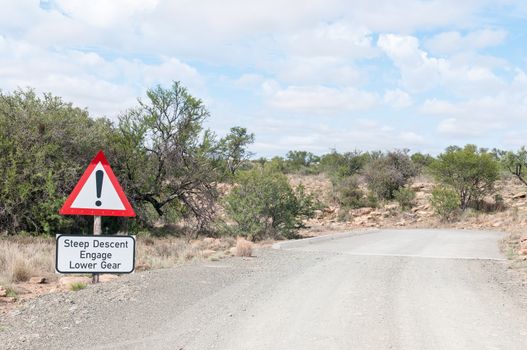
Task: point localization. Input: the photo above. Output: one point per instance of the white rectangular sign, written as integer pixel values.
(95, 254)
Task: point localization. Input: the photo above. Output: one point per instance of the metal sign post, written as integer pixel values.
(97, 230)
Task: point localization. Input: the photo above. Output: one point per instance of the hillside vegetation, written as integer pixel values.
(185, 181)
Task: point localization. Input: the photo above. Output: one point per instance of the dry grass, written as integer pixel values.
(244, 247)
(23, 258)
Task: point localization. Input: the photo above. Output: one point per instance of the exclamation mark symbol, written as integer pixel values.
(99, 175)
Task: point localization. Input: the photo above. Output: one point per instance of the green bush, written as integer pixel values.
(405, 197)
(45, 144)
(301, 162)
(470, 172)
(347, 192)
(346, 164)
(388, 173)
(76, 286)
(445, 202)
(263, 204)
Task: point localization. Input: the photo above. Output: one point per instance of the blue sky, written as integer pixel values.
(304, 75)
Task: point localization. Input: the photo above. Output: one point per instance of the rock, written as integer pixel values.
(207, 253)
(7, 300)
(329, 210)
(497, 224)
(360, 221)
(418, 186)
(232, 250)
(208, 240)
(38, 280)
(142, 267)
(362, 211)
(519, 195)
(3, 292)
(523, 251)
(393, 206)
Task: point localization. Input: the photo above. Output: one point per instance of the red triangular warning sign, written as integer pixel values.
(98, 192)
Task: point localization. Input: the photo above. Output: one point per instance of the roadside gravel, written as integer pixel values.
(407, 290)
(138, 306)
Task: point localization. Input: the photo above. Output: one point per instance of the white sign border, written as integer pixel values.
(93, 272)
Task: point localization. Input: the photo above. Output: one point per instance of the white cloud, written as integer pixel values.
(420, 72)
(479, 116)
(277, 136)
(453, 41)
(435, 106)
(331, 40)
(105, 13)
(106, 87)
(321, 100)
(298, 60)
(318, 70)
(397, 98)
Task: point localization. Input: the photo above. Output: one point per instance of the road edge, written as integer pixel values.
(329, 237)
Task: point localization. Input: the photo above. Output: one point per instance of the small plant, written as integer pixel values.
(10, 292)
(76, 286)
(446, 203)
(21, 270)
(405, 197)
(244, 248)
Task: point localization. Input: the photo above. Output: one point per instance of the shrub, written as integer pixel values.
(387, 173)
(44, 144)
(405, 197)
(76, 286)
(343, 165)
(243, 247)
(347, 192)
(20, 270)
(445, 202)
(470, 172)
(264, 204)
(301, 161)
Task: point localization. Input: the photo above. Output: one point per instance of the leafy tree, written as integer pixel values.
(263, 204)
(45, 145)
(347, 164)
(170, 161)
(422, 160)
(297, 160)
(234, 148)
(470, 172)
(386, 174)
(515, 163)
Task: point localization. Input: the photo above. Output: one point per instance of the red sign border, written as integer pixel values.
(68, 210)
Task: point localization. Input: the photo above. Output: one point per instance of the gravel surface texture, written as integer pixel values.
(363, 292)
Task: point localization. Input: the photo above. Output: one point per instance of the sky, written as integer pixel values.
(301, 75)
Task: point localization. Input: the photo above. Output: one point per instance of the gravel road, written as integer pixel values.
(390, 289)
